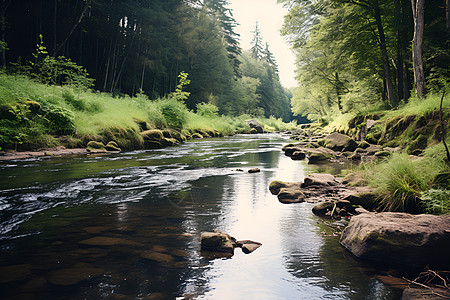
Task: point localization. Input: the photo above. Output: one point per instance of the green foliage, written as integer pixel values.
(53, 70)
(400, 181)
(436, 201)
(179, 94)
(207, 110)
(174, 112)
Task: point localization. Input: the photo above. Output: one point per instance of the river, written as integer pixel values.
(127, 226)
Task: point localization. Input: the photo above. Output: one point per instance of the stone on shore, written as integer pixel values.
(96, 147)
(112, 146)
(255, 125)
(319, 179)
(340, 142)
(413, 240)
(217, 242)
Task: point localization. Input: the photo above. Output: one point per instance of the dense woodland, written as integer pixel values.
(359, 54)
(131, 46)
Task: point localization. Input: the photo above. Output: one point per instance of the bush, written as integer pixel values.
(207, 110)
(174, 113)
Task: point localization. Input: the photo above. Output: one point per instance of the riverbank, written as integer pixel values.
(34, 116)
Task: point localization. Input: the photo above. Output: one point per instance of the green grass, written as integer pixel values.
(85, 114)
(401, 182)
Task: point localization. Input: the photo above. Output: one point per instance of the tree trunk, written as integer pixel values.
(80, 19)
(447, 14)
(4, 7)
(55, 15)
(418, 8)
(392, 97)
(400, 64)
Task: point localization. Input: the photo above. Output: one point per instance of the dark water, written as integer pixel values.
(128, 227)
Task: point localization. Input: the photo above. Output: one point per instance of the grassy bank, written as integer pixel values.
(416, 177)
(34, 115)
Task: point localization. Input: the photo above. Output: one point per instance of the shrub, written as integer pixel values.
(174, 113)
(207, 110)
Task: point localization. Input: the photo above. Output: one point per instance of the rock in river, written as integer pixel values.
(414, 240)
(218, 241)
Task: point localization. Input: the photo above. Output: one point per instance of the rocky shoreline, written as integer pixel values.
(388, 238)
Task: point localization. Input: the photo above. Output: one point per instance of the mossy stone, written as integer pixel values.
(112, 146)
(153, 134)
(96, 147)
(197, 135)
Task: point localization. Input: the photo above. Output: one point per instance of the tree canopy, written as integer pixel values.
(353, 54)
(142, 46)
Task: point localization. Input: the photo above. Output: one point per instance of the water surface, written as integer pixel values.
(127, 226)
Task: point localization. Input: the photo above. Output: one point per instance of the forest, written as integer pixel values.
(132, 47)
(360, 55)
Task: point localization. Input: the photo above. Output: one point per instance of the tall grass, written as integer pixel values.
(92, 114)
(402, 182)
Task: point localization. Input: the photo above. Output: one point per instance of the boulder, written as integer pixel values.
(197, 135)
(400, 238)
(298, 155)
(152, 135)
(291, 195)
(96, 147)
(254, 170)
(275, 186)
(112, 146)
(320, 179)
(322, 208)
(340, 142)
(317, 155)
(248, 246)
(255, 125)
(217, 242)
(363, 196)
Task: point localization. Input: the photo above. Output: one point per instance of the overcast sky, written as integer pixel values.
(270, 18)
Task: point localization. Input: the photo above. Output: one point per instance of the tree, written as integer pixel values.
(257, 43)
(418, 8)
(270, 59)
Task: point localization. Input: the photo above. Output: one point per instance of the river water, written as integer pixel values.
(127, 226)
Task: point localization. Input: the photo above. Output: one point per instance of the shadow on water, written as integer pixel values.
(128, 227)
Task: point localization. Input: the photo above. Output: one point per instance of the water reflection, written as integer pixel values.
(128, 226)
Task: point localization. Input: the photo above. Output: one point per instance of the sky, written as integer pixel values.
(269, 15)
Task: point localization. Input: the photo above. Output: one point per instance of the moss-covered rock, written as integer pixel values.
(96, 147)
(340, 142)
(152, 135)
(33, 106)
(197, 135)
(169, 142)
(142, 124)
(126, 138)
(112, 146)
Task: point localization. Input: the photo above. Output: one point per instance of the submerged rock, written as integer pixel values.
(414, 240)
(106, 241)
(74, 275)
